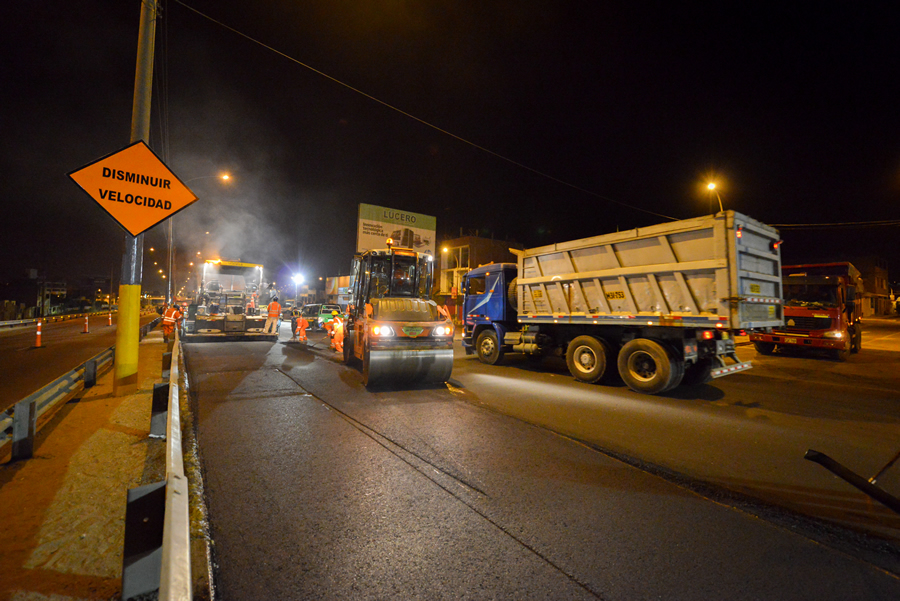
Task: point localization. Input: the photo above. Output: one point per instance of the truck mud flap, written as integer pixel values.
(412, 366)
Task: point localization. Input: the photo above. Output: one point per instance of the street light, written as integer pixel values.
(712, 188)
(171, 235)
(298, 279)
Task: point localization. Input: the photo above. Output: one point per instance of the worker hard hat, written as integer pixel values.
(334, 312)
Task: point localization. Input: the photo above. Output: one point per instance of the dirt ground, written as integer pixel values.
(63, 530)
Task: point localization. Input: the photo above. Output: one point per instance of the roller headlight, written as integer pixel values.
(382, 331)
(443, 331)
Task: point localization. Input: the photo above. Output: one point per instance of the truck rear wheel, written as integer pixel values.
(488, 347)
(764, 348)
(698, 373)
(646, 367)
(587, 358)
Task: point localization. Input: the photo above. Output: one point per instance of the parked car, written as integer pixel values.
(325, 314)
(311, 313)
(286, 309)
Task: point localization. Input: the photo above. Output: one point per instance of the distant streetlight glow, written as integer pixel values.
(711, 186)
(298, 279)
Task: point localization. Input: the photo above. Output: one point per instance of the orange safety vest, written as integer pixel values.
(171, 315)
(274, 310)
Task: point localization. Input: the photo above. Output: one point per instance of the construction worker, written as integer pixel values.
(170, 318)
(302, 324)
(295, 314)
(273, 317)
(337, 332)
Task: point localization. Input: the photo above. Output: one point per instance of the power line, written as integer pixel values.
(422, 121)
(847, 224)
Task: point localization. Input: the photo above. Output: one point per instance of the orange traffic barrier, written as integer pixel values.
(85, 331)
(110, 319)
(37, 344)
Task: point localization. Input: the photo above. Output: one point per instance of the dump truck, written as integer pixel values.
(659, 305)
(226, 304)
(394, 330)
(820, 311)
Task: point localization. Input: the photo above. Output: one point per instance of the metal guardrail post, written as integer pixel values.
(142, 551)
(159, 410)
(90, 373)
(24, 424)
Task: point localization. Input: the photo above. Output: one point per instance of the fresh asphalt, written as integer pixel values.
(319, 488)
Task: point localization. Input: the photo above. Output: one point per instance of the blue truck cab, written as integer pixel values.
(488, 309)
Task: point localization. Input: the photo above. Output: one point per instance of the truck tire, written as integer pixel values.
(646, 367)
(587, 358)
(488, 348)
(698, 373)
(764, 348)
(844, 353)
(511, 297)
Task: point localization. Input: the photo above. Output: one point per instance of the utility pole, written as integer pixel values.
(170, 291)
(128, 328)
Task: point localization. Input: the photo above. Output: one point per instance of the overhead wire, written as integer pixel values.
(422, 121)
(846, 224)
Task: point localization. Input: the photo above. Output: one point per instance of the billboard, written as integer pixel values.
(411, 230)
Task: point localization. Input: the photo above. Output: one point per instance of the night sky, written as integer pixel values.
(545, 121)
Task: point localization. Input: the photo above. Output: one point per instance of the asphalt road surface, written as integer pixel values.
(318, 488)
(64, 347)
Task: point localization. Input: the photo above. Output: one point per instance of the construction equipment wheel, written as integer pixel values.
(587, 358)
(764, 348)
(488, 347)
(646, 367)
(349, 344)
(366, 367)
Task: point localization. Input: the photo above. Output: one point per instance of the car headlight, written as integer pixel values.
(443, 331)
(382, 331)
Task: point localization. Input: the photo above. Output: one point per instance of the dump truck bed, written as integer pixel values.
(720, 270)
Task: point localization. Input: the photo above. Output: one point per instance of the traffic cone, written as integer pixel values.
(37, 344)
(85, 331)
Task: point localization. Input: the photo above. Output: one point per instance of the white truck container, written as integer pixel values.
(661, 303)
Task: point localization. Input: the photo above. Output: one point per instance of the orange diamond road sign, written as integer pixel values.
(135, 187)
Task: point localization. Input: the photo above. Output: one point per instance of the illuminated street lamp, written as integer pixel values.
(298, 279)
(171, 235)
(712, 188)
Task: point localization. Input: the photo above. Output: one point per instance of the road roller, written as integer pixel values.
(394, 330)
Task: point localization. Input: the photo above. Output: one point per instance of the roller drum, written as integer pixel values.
(419, 366)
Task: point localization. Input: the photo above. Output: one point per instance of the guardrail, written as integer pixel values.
(175, 577)
(19, 423)
(53, 318)
(157, 549)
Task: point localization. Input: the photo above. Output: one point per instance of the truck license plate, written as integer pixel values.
(790, 341)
